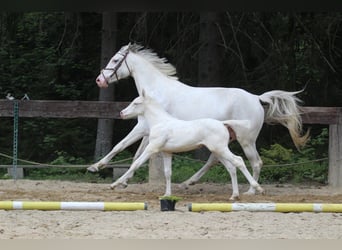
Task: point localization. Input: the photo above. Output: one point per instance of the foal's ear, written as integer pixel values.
(143, 93)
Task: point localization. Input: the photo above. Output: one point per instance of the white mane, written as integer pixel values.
(159, 63)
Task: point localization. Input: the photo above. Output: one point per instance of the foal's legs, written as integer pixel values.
(232, 172)
(167, 158)
(228, 158)
(122, 181)
(251, 154)
(193, 179)
(137, 133)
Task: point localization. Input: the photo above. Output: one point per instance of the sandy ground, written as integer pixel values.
(154, 224)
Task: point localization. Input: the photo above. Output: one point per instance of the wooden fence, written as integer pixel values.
(331, 116)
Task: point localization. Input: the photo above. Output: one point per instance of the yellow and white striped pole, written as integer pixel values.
(266, 207)
(72, 205)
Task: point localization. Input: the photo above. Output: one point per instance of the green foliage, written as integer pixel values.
(312, 170)
(56, 173)
(42, 54)
(276, 154)
(64, 159)
(171, 198)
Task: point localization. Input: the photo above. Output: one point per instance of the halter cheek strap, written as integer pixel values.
(115, 72)
(117, 66)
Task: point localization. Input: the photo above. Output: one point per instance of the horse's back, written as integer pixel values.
(217, 103)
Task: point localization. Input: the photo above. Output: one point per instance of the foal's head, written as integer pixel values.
(137, 106)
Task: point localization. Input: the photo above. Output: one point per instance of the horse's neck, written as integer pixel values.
(155, 114)
(147, 77)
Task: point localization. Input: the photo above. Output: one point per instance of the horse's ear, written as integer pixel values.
(129, 45)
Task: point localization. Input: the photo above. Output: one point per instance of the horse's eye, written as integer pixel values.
(115, 60)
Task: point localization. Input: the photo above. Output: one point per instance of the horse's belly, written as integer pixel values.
(177, 148)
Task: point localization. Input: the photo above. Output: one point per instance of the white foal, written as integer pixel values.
(168, 135)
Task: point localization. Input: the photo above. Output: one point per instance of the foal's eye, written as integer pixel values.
(115, 60)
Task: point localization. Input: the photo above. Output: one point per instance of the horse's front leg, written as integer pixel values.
(122, 181)
(137, 133)
(167, 159)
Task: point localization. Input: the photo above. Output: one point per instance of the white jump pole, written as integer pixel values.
(266, 207)
(70, 205)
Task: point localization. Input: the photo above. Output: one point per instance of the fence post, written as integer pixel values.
(335, 152)
(156, 170)
(15, 172)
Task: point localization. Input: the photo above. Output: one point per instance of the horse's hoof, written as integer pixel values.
(184, 186)
(118, 185)
(92, 169)
(250, 192)
(187, 184)
(234, 198)
(262, 191)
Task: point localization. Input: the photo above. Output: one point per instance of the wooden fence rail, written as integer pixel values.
(331, 116)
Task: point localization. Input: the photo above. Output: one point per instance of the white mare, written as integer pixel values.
(168, 135)
(157, 78)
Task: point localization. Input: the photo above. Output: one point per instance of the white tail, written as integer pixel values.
(283, 108)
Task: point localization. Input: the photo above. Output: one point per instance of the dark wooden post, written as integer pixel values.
(105, 126)
(335, 152)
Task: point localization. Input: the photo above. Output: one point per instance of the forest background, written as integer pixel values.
(57, 56)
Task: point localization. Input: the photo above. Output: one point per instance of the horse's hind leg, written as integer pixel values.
(255, 161)
(195, 178)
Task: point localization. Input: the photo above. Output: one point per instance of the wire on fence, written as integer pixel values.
(38, 164)
(175, 155)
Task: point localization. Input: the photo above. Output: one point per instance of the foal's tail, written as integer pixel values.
(283, 108)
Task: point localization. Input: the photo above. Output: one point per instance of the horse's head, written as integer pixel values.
(116, 69)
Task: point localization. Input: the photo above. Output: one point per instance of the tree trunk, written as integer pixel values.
(108, 47)
(209, 54)
(208, 59)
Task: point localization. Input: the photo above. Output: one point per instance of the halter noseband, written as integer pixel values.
(117, 66)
